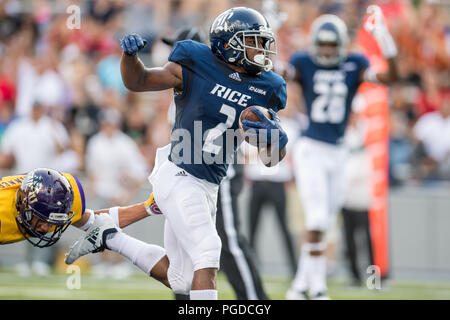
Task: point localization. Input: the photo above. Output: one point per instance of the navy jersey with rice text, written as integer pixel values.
(328, 94)
(205, 134)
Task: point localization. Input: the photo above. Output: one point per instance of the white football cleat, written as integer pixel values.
(296, 295)
(94, 240)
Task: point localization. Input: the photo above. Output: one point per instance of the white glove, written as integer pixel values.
(376, 25)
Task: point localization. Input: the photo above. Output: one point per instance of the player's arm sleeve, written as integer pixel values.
(363, 62)
(277, 100)
(182, 54)
(294, 68)
(367, 73)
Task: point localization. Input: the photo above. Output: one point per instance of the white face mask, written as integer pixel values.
(238, 43)
(321, 34)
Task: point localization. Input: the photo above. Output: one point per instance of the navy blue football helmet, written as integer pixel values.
(331, 29)
(232, 28)
(44, 202)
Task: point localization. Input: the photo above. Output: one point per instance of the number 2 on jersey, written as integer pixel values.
(329, 105)
(218, 130)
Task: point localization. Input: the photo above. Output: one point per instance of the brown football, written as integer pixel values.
(248, 114)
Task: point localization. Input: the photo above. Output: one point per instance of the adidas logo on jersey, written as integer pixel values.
(182, 173)
(235, 76)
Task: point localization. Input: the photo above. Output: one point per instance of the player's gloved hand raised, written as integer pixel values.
(132, 43)
(376, 25)
(266, 124)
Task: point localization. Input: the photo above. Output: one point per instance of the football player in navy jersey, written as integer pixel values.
(236, 259)
(212, 86)
(329, 77)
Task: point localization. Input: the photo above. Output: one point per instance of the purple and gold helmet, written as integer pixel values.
(44, 198)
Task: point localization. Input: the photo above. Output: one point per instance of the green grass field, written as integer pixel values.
(139, 287)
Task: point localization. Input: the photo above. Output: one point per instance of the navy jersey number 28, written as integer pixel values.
(328, 94)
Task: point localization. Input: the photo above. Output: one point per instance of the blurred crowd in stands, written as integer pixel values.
(69, 74)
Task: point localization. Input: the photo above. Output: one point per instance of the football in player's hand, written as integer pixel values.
(249, 114)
